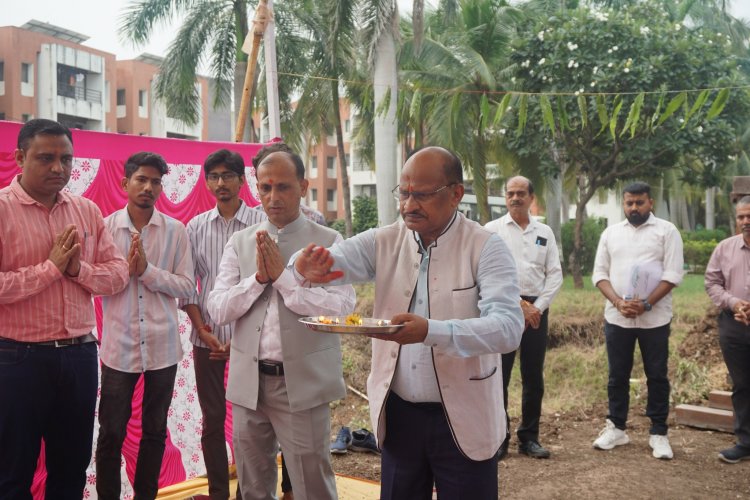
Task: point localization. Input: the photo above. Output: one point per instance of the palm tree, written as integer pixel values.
(212, 29)
(328, 26)
(453, 79)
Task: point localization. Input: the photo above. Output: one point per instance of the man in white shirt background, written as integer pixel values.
(638, 262)
(540, 277)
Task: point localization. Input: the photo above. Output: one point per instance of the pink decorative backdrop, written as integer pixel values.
(96, 174)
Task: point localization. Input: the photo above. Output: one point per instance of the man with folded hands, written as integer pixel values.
(282, 376)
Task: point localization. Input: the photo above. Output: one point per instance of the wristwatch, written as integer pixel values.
(646, 306)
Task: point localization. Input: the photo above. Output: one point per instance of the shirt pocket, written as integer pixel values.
(465, 302)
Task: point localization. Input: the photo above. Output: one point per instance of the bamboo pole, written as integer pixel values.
(259, 26)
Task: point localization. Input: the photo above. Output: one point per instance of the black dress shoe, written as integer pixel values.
(533, 449)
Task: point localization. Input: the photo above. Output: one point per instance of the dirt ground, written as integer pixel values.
(576, 470)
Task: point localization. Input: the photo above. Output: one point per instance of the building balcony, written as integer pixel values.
(79, 93)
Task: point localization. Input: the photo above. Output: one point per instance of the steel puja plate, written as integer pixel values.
(337, 324)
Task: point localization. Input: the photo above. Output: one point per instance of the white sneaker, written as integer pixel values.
(660, 445)
(610, 437)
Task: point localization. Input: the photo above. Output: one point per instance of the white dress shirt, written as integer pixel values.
(621, 247)
(231, 298)
(537, 258)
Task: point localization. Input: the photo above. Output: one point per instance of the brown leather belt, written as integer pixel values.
(83, 339)
(271, 367)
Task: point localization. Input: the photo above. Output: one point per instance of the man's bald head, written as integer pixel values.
(445, 158)
(521, 179)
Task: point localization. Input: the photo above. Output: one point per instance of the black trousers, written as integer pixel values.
(209, 381)
(533, 351)
(114, 413)
(734, 338)
(419, 451)
(654, 345)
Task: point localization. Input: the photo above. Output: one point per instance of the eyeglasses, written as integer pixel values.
(224, 176)
(418, 196)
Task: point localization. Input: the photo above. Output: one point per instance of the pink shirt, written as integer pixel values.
(37, 302)
(728, 273)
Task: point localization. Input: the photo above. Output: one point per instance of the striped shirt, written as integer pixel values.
(140, 327)
(37, 302)
(209, 233)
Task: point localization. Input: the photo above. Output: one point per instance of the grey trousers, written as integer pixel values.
(304, 436)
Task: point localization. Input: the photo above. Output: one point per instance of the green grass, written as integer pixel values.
(576, 371)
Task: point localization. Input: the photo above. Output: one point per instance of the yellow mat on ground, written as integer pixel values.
(349, 488)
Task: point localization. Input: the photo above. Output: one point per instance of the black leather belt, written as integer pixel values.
(83, 339)
(271, 367)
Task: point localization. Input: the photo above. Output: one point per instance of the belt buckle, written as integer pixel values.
(64, 342)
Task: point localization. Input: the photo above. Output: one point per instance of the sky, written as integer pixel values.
(98, 19)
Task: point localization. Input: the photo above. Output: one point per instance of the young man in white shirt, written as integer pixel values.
(638, 262)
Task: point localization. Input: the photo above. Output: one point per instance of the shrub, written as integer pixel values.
(697, 254)
(365, 214)
(592, 230)
(705, 234)
(339, 225)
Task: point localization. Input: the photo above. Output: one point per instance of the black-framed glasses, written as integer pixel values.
(418, 196)
(224, 176)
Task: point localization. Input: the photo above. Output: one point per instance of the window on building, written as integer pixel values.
(348, 159)
(313, 167)
(142, 98)
(25, 117)
(314, 195)
(2, 71)
(121, 97)
(331, 167)
(331, 199)
(2, 116)
(25, 73)
(347, 125)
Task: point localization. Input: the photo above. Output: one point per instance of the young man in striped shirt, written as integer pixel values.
(209, 232)
(141, 333)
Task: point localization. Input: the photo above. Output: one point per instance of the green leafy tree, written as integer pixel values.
(365, 213)
(605, 126)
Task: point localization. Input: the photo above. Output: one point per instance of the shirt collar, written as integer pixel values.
(292, 227)
(508, 219)
(418, 239)
(242, 214)
(24, 197)
(122, 219)
(651, 220)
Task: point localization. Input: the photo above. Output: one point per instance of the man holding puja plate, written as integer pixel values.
(435, 385)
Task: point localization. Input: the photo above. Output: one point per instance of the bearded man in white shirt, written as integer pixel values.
(282, 376)
(638, 262)
(540, 276)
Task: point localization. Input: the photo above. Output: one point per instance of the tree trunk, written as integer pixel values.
(575, 268)
(385, 79)
(710, 208)
(344, 173)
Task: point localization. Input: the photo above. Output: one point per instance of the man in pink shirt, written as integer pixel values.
(55, 253)
(728, 285)
(140, 332)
